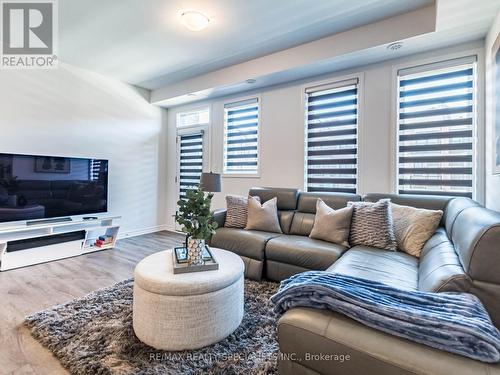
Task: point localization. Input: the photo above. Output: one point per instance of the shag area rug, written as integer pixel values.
(94, 335)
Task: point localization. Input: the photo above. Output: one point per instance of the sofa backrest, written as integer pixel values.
(303, 220)
(286, 202)
(428, 202)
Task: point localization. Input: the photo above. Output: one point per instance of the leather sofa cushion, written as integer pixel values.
(279, 271)
(302, 224)
(287, 198)
(303, 252)
(307, 201)
(393, 268)
(476, 236)
(306, 333)
(248, 243)
(285, 218)
(440, 269)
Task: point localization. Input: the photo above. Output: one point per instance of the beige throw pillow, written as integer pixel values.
(413, 227)
(263, 216)
(332, 225)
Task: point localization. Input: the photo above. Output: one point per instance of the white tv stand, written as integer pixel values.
(87, 231)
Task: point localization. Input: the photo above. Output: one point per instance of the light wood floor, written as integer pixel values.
(27, 290)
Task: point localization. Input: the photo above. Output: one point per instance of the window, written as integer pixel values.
(331, 149)
(192, 127)
(436, 129)
(241, 138)
(190, 118)
(190, 161)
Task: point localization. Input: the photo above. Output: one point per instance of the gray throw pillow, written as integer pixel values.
(372, 225)
(413, 227)
(332, 225)
(237, 211)
(263, 216)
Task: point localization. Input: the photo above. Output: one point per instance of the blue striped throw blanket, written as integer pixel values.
(453, 322)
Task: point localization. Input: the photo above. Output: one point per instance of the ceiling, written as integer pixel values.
(144, 43)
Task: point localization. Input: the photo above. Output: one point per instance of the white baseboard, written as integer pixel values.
(139, 232)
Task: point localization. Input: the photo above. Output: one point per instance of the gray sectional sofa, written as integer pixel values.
(462, 256)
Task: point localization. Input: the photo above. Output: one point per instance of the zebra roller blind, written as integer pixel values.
(332, 129)
(436, 130)
(241, 137)
(191, 161)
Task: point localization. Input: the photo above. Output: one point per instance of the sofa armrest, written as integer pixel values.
(220, 217)
(440, 269)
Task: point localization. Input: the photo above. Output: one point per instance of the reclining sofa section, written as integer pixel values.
(462, 256)
(278, 256)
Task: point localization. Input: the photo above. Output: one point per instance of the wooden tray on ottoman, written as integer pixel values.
(181, 265)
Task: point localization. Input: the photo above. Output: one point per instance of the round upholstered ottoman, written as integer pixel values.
(190, 310)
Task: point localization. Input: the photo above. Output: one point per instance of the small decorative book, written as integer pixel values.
(181, 263)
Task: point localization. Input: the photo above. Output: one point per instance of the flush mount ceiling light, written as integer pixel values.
(194, 20)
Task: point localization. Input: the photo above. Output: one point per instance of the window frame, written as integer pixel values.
(332, 80)
(235, 100)
(478, 156)
(197, 108)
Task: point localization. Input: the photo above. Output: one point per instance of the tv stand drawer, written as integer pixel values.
(35, 255)
(38, 242)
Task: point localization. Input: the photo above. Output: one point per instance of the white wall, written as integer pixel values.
(492, 181)
(282, 130)
(74, 112)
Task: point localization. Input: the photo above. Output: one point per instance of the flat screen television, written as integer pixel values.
(34, 187)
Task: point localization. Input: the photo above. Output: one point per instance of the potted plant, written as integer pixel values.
(197, 221)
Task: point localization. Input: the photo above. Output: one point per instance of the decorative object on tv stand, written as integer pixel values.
(197, 221)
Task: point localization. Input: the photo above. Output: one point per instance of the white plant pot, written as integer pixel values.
(195, 250)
